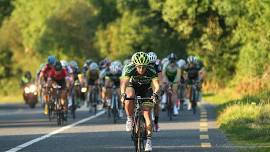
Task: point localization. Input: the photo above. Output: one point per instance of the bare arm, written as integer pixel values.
(156, 86)
(124, 83)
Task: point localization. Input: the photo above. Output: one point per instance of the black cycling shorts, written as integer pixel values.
(142, 90)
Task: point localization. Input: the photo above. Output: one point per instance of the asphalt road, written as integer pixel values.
(25, 129)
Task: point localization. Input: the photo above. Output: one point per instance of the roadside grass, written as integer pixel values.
(10, 91)
(246, 120)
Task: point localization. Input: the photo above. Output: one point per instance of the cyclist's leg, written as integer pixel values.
(174, 99)
(129, 104)
(129, 107)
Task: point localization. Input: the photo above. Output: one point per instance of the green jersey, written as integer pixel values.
(130, 72)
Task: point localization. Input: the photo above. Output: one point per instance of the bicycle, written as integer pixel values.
(193, 94)
(169, 102)
(93, 98)
(114, 106)
(59, 109)
(138, 134)
(182, 93)
(75, 96)
(48, 92)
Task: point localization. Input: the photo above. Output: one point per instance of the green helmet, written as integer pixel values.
(140, 58)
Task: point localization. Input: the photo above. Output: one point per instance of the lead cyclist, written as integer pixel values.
(136, 80)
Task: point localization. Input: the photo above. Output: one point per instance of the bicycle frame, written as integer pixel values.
(138, 134)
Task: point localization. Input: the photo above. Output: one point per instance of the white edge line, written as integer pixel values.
(20, 147)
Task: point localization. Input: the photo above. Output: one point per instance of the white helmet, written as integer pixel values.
(93, 66)
(152, 56)
(64, 63)
(114, 68)
(117, 63)
(165, 61)
(181, 63)
(191, 59)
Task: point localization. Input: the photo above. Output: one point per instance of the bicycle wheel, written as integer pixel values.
(73, 107)
(169, 106)
(114, 110)
(139, 141)
(193, 100)
(95, 100)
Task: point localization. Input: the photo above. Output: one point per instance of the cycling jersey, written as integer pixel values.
(171, 73)
(157, 67)
(136, 79)
(92, 76)
(45, 71)
(115, 78)
(193, 72)
(59, 77)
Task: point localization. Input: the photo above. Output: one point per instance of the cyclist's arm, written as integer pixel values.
(155, 85)
(123, 84)
(202, 73)
(164, 76)
(107, 81)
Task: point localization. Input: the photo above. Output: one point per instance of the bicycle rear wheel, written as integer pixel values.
(169, 107)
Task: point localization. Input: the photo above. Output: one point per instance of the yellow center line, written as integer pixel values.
(204, 137)
(203, 112)
(203, 124)
(204, 120)
(204, 129)
(206, 145)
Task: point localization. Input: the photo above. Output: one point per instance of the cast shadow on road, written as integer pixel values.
(186, 140)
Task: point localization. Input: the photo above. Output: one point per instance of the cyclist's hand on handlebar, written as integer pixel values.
(123, 97)
(155, 97)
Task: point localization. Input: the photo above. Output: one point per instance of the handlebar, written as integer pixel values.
(139, 98)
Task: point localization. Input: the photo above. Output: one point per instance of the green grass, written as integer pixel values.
(246, 120)
(10, 92)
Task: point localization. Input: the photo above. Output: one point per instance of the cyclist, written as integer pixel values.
(58, 76)
(171, 75)
(92, 77)
(43, 76)
(113, 79)
(26, 78)
(195, 73)
(156, 64)
(182, 86)
(136, 80)
(86, 65)
(104, 65)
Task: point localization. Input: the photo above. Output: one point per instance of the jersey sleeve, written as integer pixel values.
(127, 71)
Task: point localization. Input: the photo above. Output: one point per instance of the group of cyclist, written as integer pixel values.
(143, 75)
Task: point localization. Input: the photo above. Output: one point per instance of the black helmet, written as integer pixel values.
(58, 66)
(172, 57)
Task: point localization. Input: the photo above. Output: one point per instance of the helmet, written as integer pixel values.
(191, 59)
(114, 68)
(181, 63)
(152, 56)
(58, 66)
(73, 64)
(140, 58)
(164, 61)
(93, 66)
(104, 63)
(51, 60)
(118, 64)
(88, 61)
(64, 63)
(172, 57)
